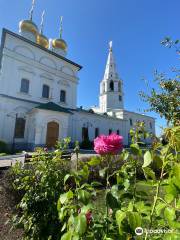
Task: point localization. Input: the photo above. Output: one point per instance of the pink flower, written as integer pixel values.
(111, 144)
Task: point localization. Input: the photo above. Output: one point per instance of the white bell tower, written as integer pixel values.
(111, 94)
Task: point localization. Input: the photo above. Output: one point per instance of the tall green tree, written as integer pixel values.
(165, 100)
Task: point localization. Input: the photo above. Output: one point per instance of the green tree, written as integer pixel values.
(166, 99)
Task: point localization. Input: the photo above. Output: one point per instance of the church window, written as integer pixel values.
(45, 91)
(24, 85)
(120, 98)
(110, 131)
(111, 86)
(19, 128)
(103, 87)
(96, 132)
(118, 132)
(131, 122)
(119, 86)
(63, 96)
(85, 134)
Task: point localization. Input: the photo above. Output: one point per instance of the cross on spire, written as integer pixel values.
(61, 27)
(32, 10)
(110, 45)
(42, 22)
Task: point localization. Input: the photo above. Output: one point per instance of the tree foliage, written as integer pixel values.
(166, 100)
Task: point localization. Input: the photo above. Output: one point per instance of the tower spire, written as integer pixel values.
(61, 27)
(111, 95)
(110, 70)
(42, 22)
(31, 10)
(110, 46)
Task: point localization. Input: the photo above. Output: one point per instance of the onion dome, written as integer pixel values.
(43, 40)
(28, 26)
(59, 43)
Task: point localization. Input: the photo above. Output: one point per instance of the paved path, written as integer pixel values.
(7, 161)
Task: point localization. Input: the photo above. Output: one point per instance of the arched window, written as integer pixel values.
(96, 132)
(118, 132)
(103, 87)
(19, 128)
(45, 91)
(24, 85)
(63, 96)
(120, 98)
(110, 131)
(85, 134)
(111, 86)
(130, 122)
(119, 86)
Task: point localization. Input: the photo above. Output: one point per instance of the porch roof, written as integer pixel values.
(53, 107)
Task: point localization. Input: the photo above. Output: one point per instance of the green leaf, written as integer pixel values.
(176, 170)
(171, 189)
(169, 198)
(135, 149)
(94, 161)
(59, 205)
(126, 184)
(67, 236)
(169, 214)
(66, 196)
(159, 207)
(120, 216)
(81, 224)
(86, 208)
(147, 159)
(67, 177)
(125, 155)
(149, 173)
(111, 201)
(102, 172)
(84, 196)
(134, 219)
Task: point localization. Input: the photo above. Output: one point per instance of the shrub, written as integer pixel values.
(39, 185)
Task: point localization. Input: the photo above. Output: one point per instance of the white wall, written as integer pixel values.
(23, 60)
(104, 123)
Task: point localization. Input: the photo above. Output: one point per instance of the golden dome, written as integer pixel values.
(42, 40)
(28, 26)
(59, 43)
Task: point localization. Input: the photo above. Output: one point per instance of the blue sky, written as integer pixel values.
(136, 28)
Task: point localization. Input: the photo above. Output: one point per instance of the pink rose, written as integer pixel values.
(111, 144)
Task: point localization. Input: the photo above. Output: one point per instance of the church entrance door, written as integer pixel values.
(52, 134)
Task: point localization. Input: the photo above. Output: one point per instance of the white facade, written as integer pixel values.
(21, 58)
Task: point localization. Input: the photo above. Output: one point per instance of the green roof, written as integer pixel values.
(53, 107)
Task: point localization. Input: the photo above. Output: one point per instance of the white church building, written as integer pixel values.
(38, 94)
